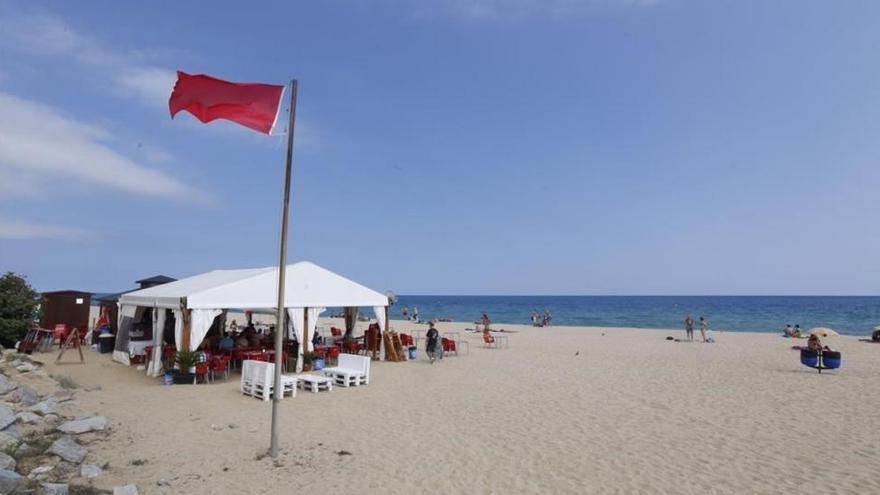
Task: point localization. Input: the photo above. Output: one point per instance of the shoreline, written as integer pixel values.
(601, 328)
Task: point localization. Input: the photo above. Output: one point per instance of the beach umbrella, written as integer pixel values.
(823, 332)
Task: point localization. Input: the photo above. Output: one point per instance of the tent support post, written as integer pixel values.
(282, 268)
(306, 328)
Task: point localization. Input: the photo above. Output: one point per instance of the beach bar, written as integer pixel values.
(194, 303)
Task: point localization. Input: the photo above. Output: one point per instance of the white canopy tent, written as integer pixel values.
(309, 289)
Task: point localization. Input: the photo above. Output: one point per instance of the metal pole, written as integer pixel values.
(282, 268)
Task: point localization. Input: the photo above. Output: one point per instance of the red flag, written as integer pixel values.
(252, 105)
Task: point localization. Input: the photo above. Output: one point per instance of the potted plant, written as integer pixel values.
(308, 360)
(186, 362)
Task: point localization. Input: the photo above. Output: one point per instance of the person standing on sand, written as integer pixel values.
(405, 312)
(547, 318)
(689, 328)
(486, 322)
(415, 314)
(704, 327)
(534, 317)
(432, 339)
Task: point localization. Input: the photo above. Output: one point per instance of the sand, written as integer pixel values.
(562, 410)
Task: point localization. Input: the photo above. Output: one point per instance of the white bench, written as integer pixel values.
(258, 377)
(350, 370)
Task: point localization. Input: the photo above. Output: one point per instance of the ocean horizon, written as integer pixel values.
(849, 315)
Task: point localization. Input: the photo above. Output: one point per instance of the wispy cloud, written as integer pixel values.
(20, 231)
(131, 74)
(487, 10)
(39, 144)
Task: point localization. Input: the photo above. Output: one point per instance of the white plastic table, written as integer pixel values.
(315, 383)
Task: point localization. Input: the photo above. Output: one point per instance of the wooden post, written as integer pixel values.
(306, 327)
(187, 329)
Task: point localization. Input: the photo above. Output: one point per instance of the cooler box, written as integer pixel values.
(105, 343)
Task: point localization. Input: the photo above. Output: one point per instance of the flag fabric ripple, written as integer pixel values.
(252, 105)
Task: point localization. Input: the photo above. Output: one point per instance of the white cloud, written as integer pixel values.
(17, 230)
(482, 10)
(130, 74)
(39, 144)
(152, 85)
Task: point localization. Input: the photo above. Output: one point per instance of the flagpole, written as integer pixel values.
(282, 269)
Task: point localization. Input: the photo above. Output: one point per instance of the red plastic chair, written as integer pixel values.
(489, 340)
(60, 333)
(335, 332)
(203, 371)
(351, 347)
(169, 352)
(449, 346)
(332, 353)
(220, 364)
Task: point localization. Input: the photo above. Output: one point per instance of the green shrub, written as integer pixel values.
(18, 303)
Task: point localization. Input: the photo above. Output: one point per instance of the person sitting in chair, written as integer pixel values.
(815, 345)
(487, 337)
(226, 343)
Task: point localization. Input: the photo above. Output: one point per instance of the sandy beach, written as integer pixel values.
(562, 410)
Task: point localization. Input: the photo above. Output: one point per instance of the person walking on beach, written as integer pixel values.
(405, 312)
(534, 317)
(415, 314)
(689, 328)
(547, 318)
(432, 341)
(704, 327)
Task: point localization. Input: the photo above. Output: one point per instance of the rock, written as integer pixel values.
(65, 471)
(95, 388)
(10, 481)
(129, 489)
(6, 385)
(55, 489)
(95, 423)
(7, 461)
(6, 440)
(28, 417)
(12, 431)
(67, 449)
(63, 395)
(24, 394)
(48, 406)
(7, 417)
(51, 418)
(40, 473)
(25, 367)
(90, 471)
(163, 482)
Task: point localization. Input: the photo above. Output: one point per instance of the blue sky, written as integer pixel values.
(453, 146)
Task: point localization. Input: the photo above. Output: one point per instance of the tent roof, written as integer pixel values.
(307, 285)
(155, 279)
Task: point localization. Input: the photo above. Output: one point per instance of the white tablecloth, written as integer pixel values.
(138, 347)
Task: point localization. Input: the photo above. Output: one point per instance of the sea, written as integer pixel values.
(850, 315)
